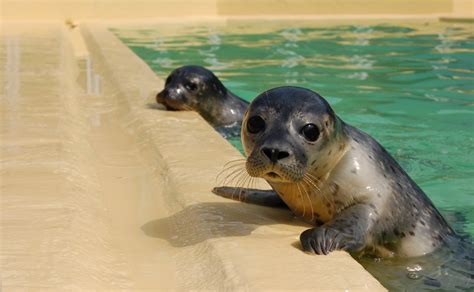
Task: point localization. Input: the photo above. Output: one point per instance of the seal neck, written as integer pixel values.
(336, 151)
(225, 109)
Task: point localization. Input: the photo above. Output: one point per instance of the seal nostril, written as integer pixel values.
(274, 154)
(268, 152)
(161, 95)
(283, 154)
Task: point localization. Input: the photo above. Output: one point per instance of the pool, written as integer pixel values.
(410, 85)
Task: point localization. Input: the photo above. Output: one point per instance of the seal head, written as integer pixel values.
(284, 132)
(197, 89)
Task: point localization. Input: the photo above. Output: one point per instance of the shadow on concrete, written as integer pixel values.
(154, 105)
(203, 221)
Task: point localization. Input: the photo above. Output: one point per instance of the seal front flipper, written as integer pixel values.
(347, 231)
(267, 198)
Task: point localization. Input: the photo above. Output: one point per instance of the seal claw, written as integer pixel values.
(322, 240)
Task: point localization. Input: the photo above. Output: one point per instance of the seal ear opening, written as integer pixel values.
(160, 96)
(327, 120)
(158, 100)
(328, 124)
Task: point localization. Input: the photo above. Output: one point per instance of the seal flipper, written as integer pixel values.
(267, 198)
(347, 231)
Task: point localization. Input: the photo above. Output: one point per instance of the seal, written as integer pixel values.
(198, 89)
(336, 177)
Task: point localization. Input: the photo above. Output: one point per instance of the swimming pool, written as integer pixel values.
(410, 85)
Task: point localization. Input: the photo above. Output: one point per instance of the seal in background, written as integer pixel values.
(198, 89)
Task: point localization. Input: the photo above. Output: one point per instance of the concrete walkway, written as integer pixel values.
(50, 190)
(99, 192)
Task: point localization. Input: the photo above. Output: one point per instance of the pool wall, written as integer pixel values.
(125, 9)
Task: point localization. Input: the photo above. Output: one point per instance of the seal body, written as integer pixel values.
(338, 178)
(197, 88)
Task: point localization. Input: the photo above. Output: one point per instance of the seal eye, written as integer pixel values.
(310, 132)
(191, 86)
(255, 124)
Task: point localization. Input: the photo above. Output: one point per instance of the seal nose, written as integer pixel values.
(162, 95)
(274, 154)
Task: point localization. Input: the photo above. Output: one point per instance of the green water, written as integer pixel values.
(410, 85)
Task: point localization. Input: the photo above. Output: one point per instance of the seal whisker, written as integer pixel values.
(240, 183)
(226, 173)
(301, 196)
(310, 202)
(232, 170)
(228, 180)
(237, 187)
(311, 179)
(234, 160)
(222, 181)
(235, 177)
(323, 195)
(314, 182)
(311, 183)
(235, 164)
(252, 183)
(245, 183)
(244, 177)
(314, 179)
(230, 165)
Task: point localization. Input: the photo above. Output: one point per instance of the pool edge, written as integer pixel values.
(136, 69)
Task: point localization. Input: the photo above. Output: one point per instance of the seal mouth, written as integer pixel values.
(274, 177)
(170, 104)
(170, 108)
(280, 176)
(273, 174)
(288, 172)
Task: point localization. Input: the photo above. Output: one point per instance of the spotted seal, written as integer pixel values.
(336, 177)
(197, 88)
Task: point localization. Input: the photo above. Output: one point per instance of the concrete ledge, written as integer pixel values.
(240, 246)
(467, 19)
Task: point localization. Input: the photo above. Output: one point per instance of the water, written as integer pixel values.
(410, 85)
